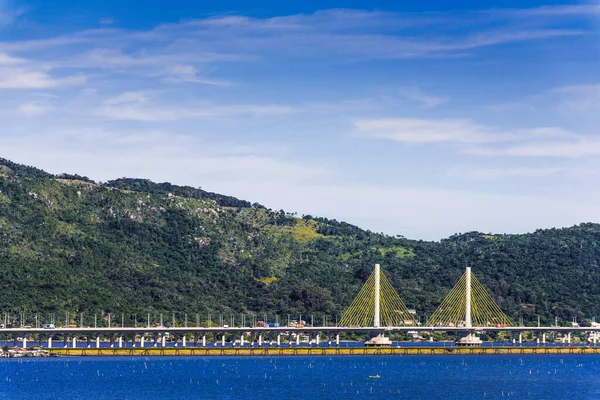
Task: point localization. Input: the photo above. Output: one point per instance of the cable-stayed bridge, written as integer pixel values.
(468, 310)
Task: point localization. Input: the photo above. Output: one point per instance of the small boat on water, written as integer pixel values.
(374, 376)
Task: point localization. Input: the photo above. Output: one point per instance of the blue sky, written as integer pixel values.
(415, 118)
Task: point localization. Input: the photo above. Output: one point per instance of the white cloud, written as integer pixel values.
(107, 21)
(339, 33)
(33, 109)
(5, 59)
(578, 98)
(557, 11)
(134, 112)
(29, 78)
(417, 94)
(448, 130)
(181, 73)
(581, 147)
(477, 172)
(129, 97)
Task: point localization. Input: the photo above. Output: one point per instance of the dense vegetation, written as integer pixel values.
(133, 246)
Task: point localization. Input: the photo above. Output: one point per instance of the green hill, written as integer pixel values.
(131, 246)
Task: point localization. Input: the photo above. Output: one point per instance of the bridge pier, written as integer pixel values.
(25, 341)
(569, 338)
(142, 340)
(317, 340)
(544, 339)
(278, 340)
(98, 341)
(203, 340)
(223, 340)
(65, 339)
(520, 338)
(337, 340)
(183, 340)
(88, 342)
(74, 340)
(164, 341)
(242, 339)
(50, 341)
(120, 342)
(260, 339)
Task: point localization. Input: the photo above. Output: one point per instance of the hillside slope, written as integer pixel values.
(133, 246)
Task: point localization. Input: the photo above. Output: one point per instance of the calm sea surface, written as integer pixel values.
(401, 377)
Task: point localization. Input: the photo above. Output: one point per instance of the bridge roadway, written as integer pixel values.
(283, 330)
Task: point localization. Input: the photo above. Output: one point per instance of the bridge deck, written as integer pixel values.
(308, 351)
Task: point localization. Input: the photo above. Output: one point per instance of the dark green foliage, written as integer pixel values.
(134, 246)
(24, 170)
(147, 186)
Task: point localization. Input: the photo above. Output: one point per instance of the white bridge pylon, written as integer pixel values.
(469, 305)
(377, 305)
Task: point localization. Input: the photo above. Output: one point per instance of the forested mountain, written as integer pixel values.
(133, 246)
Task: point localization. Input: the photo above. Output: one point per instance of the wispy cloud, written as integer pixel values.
(482, 140)
(132, 107)
(477, 172)
(449, 131)
(578, 147)
(33, 109)
(9, 13)
(579, 99)
(31, 78)
(417, 94)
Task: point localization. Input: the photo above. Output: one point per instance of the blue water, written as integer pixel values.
(402, 377)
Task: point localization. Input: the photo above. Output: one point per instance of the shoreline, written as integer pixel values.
(308, 351)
